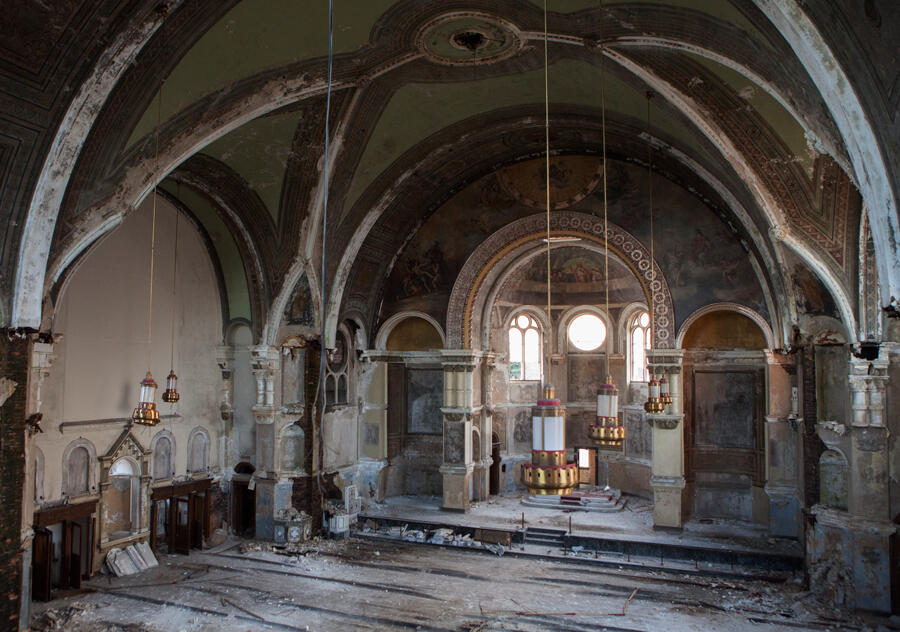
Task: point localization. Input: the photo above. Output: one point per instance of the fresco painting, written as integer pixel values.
(702, 260)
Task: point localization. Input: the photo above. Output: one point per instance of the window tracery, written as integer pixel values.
(524, 348)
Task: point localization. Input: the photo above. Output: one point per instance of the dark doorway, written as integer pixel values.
(41, 558)
(182, 525)
(243, 500)
(495, 464)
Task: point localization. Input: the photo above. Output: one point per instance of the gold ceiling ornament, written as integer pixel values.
(146, 412)
(657, 389)
(608, 432)
(548, 472)
(170, 395)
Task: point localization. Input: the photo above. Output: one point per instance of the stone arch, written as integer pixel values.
(385, 330)
(71, 470)
(727, 307)
(162, 464)
(198, 451)
(483, 267)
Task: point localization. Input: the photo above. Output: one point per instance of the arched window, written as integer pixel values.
(524, 348)
(77, 466)
(336, 383)
(638, 343)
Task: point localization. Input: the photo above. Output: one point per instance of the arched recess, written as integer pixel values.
(162, 463)
(386, 329)
(727, 307)
(479, 277)
(734, 308)
(198, 451)
(38, 476)
(71, 470)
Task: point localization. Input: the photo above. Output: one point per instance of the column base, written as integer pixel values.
(849, 559)
(667, 501)
(785, 512)
(457, 483)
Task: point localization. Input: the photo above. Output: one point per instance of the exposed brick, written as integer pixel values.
(13, 366)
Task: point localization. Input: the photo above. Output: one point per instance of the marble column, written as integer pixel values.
(667, 481)
(783, 446)
(849, 551)
(457, 466)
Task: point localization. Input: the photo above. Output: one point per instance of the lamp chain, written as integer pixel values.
(175, 277)
(652, 252)
(153, 232)
(547, 176)
(605, 202)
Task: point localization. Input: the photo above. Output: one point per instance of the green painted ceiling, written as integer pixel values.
(259, 151)
(257, 35)
(781, 120)
(238, 294)
(420, 109)
(721, 9)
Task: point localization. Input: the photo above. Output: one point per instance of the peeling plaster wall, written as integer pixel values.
(103, 353)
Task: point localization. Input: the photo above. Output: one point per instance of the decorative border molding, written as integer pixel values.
(470, 283)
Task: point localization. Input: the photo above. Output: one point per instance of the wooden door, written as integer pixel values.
(76, 553)
(182, 526)
(195, 517)
(587, 466)
(41, 557)
(495, 467)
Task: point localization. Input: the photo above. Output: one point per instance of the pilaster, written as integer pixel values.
(457, 465)
(850, 551)
(265, 363)
(667, 481)
(783, 446)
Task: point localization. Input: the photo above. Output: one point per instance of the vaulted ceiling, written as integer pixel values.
(427, 98)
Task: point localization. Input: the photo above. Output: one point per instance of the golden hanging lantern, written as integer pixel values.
(548, 472)
(170, 395)
(608, 432)
(146, 412)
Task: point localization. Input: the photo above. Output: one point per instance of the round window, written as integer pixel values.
(587, 332)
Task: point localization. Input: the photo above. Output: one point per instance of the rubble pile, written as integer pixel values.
(442, 536)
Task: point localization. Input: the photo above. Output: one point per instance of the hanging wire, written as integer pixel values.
(320, 390)
(153, 232)
(175, 274)
(547, 176)
(652, 256)
(605, 202)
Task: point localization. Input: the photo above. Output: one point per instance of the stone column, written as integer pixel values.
(265, 362)
(487, 423)
(457, 466)
(225, 362)
(667, 480)
(783, 446)
(849, 550)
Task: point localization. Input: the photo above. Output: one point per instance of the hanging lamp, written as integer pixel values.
(146, 412)
(656, 387)
(608, 432)
(171, 395)
(548, 472)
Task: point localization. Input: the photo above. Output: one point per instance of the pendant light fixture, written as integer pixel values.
(548, 472)
(170, 395)
(146, 412)
(655, 402)
(608, 432)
